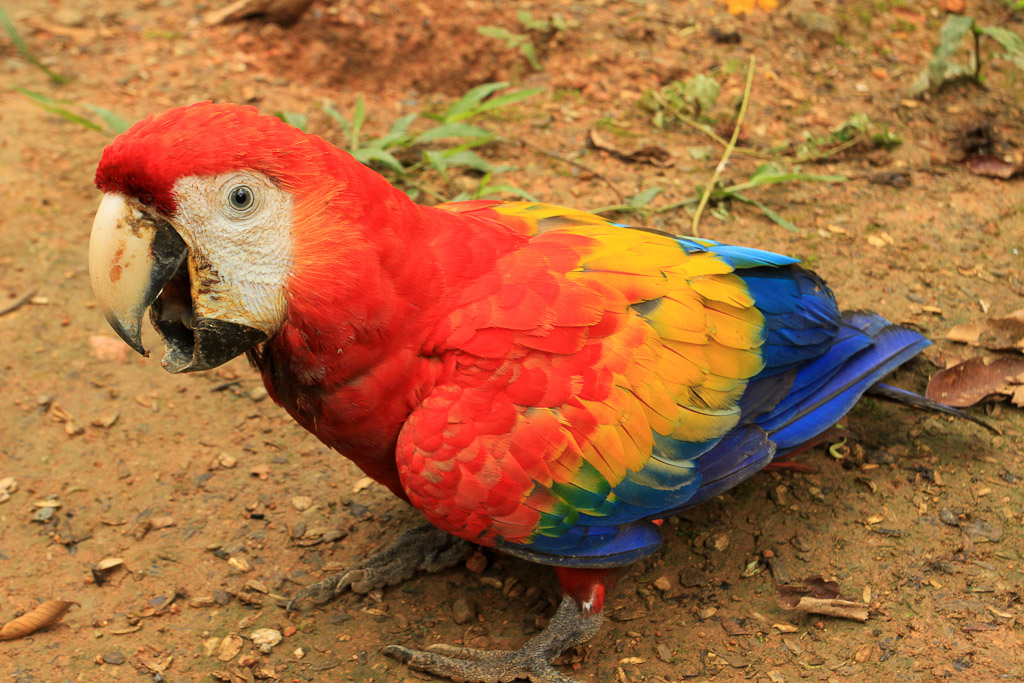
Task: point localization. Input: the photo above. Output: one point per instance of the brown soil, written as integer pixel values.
(199, 482)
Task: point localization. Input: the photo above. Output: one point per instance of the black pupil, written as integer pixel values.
(241, 198)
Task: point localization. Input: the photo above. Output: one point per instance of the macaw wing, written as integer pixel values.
(605, 376)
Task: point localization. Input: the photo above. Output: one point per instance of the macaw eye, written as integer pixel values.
(240, 197)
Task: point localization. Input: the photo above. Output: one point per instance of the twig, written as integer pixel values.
(17, 303)
(695, 229)
(749, 151)
(582, 167)
(708, 130)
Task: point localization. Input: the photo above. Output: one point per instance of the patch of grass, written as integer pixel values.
(942, 68)
(859, 129)
(421, 159)
(537, 30)
(513, 41)
(722, 195)
(22, 47)
(692, 97)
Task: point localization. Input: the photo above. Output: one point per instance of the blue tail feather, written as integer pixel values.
(868, 348)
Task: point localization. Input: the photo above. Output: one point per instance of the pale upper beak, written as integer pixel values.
(137, 261)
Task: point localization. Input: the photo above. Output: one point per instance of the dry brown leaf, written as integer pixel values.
(1007, 332)
(997, 334)
(46, 614)
(969, 382)
(965, 333)
(954, 6)
(282, 12)
(993, 167)
(653, 155)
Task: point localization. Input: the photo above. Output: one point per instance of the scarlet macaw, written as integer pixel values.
(532, 378)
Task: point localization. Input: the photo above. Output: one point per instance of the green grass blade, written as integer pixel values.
(337, 117)
(469, 104)
(358, 117)
(451, 130)
(467, 158)
(494, 190)
(775, 217)
(22, 47)
(55, 107)
(530, 52)
(506, 99)
(115, 124)
(642, 199)
(366, 155)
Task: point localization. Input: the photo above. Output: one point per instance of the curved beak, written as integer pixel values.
(132, 255)
(138, 261)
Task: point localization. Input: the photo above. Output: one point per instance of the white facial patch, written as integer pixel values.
(238, 230)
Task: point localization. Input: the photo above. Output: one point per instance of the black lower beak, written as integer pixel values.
(192, 344)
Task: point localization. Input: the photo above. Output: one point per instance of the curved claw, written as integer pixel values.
(323, 591)
(569, 627)
(422, 548)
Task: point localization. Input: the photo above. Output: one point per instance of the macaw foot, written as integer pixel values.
(569, 627)
(423, 548)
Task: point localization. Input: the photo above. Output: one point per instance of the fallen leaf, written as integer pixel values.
(651, 154)
(229, 647)
(46, 614)
(1006, 332)
(954, 6)
(993, 167)
(965, 333)
(997, 334)
(971, 381)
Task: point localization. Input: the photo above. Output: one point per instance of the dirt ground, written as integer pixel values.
(218, 504)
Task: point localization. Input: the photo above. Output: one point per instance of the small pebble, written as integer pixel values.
(463, 612)
(477, 563)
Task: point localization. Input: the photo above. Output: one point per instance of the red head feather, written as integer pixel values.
(201, 139)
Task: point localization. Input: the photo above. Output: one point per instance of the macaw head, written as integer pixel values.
(209, 214)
